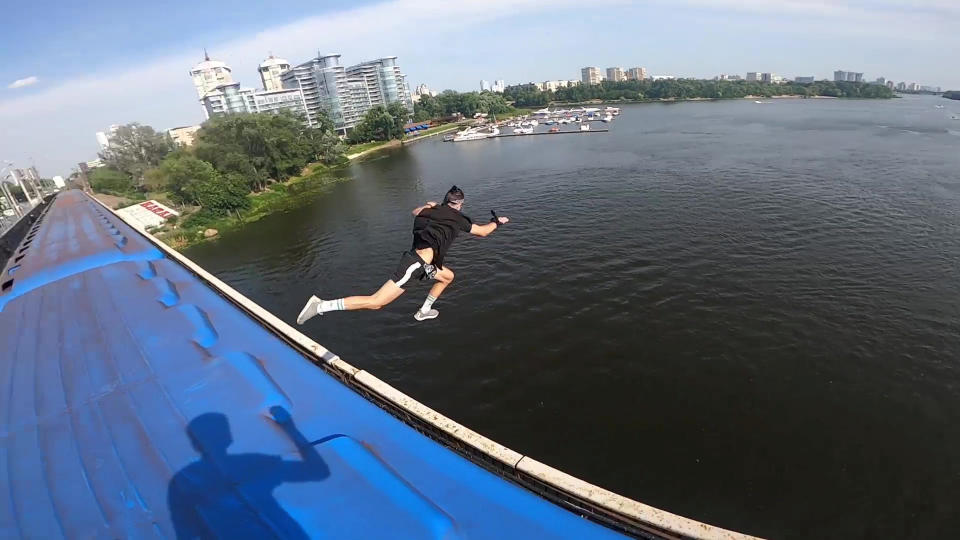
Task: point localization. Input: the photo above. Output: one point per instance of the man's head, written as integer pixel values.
(454, 198)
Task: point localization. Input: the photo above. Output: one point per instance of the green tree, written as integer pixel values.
(377, 125)
(221, 194)
(110, 180)
(260, 147)
(134, 149)
(181, 173)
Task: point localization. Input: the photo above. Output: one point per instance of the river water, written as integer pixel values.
(746, 314)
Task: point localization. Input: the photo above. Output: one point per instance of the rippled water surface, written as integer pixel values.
(746, 314)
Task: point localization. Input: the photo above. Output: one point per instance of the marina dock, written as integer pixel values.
(576, 132)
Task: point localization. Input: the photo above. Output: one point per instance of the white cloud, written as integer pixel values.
(20, 83)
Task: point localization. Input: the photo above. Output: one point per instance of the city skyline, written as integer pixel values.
(40, 97)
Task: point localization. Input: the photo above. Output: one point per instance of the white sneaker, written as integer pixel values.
(421, 316)
(309, 311)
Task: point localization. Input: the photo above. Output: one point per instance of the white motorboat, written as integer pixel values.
(474, 134)
(607, 118)
(523, 131)
(584, 127)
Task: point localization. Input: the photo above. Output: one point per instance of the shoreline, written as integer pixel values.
(695, 99)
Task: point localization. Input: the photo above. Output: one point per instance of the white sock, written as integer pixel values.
(331, 305)
(427, 303)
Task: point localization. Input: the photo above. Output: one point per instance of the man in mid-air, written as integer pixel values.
(435, 227)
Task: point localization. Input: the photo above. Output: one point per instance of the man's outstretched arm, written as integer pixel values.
(484, 230)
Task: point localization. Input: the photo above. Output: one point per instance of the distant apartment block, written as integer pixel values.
(767, 77)
(484, 85)
(270, 71)
(183, 136)
(804, 80)
(753, 76)
(913, 87)
(848, 76)
(901, 86)
(890, 85)
(590, 75)
(616, 74)
(499, 86)
(421, 90)
(636, 74)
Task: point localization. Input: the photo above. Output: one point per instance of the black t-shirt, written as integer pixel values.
(437, 228)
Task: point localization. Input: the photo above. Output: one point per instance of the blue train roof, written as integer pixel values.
(141, 400)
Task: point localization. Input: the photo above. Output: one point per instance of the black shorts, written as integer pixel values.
(412, 266)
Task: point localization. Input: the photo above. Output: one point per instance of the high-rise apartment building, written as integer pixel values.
(901, 86)
(803, 80)
(753, 76)
(615, 74)
(767, 77)
(231, 99)
(210, 74)
(323, 83)
(590, 75)
(384, 82)
(484, 85)
(270, 71)
(499, 86)
(636, 74)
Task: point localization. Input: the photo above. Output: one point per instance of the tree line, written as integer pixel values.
(529, 96)
(232, 156)
(448, 103)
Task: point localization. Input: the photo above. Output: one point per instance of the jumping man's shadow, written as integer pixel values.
(231, 495)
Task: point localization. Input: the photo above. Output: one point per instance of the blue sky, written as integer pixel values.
(84, 66)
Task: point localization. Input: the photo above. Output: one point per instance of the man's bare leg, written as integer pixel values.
(444, 277)
(315, 306)
(386, 294)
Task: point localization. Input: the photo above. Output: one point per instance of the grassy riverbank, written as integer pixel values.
(184, 232)
(359, 150)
